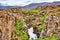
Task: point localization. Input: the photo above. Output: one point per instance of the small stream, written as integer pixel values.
(31, 34)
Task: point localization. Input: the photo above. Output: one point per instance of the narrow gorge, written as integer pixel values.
(41, 23)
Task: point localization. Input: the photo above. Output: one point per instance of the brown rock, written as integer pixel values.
(52, 25)
(8, 21)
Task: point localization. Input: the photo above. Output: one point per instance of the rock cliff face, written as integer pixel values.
(7, 22)
(52, 25)
(50, 9)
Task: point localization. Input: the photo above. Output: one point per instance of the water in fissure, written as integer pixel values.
(31, 34)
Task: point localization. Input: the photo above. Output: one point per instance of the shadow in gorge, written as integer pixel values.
(0, 35)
